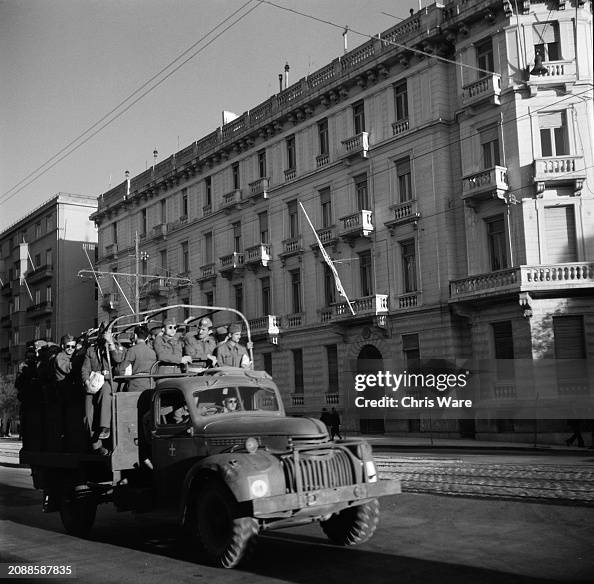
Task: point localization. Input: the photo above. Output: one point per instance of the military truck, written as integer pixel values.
(215, 447)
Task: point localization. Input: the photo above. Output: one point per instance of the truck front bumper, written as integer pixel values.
(322, 501)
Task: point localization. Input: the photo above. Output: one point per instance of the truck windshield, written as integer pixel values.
(235, 398)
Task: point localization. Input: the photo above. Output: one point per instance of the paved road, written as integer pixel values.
(424, 539)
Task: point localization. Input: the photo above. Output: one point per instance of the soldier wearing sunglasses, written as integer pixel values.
(168, 347)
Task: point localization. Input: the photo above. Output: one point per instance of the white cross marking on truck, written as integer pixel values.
(171, 449)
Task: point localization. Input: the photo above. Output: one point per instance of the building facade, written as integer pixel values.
(42, 296)
(446, 166)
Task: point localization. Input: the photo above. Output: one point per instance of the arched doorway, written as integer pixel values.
(370, 360)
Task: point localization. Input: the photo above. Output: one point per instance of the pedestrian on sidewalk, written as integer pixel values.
(576, 428)
(334, 424)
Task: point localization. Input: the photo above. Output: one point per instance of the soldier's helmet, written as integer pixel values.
(205, 323)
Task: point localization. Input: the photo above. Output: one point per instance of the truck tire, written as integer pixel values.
(354, 525)
(225, 538)
(78, 515)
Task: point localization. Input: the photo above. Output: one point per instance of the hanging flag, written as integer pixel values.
(329, 261)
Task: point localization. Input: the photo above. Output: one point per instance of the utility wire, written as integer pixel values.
(9, 194)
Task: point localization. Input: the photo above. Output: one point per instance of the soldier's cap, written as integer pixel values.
(169, 322)
(205, 322)
(39, 344)
(234, 328)
(66, 339)
(222, 330)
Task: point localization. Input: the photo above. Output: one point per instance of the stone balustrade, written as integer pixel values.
(358, 223)
(265, 324)
(357, 144)
(258, 253)
(232, 261)
(364, 306)
(485, 88)
(485, 182)
(400, 127)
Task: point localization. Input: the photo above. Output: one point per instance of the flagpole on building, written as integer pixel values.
(328, 260)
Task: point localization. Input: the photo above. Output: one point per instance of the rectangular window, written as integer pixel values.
(263, 224)
(295, 276)
(17, 303)
(560, 234)
(267, 362)
(163, 211)
(266, 298)
(37, 331)
(209, 298)
(366, 273)
(184, 203)
(323, 141)
(490, 147)
(332, 360)
(48, 330)
(553, 134)
(329, 286)
(362, 191)
(503, 343)
(48, 224)
(570, 349)
(293, 219)
(326, 204)
(404, 178)
(401, 100)
(496, 242)
(238, 293)
(38, 296)
(546, 41)
(291, 159)
(208, 191)
(185, 256)
(37, 262)
(48, 293)
(409, 265)
(49, 258)
(298, 369)
(411, 351)
(359, 117)
(144, 266)
(262, 164)
(143, 222)
(208, 248)
(237, 237)
(37, 230)
(484, 57)
(114, 233)
(163, 260)
(235, 171)
(16, 336)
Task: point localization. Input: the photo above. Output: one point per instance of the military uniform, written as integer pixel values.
(141, 357)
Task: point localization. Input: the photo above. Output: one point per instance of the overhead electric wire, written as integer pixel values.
(9, 194)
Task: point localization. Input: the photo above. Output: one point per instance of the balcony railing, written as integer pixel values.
(160, 230)
(326, 314)
(111, 251)
(366, 306)
(232, 261)
(258, 254)
(232, 199)
(158, 287)
(410, 300)
(290, 174)
(260, 187)
(110, 301)
(400, 127)
(294, 320)
(559, 169)
(485, 89)
(292, 246)
(40, 273)
(206, 210)
(405, 212)
(358, 224)
(44, 307)
(332, 399)
(568, 276)
(268, 324)
(207, 272)
(322, 160)
(297, 399)
(488, 183)
(356, 145)
(557, 72)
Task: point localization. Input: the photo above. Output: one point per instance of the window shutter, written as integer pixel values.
(569, 337)
(550, 120)
(503, 340)
(560, 234)
(489, 134)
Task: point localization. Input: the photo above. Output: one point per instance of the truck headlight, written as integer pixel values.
(259, 486)
(370, 471)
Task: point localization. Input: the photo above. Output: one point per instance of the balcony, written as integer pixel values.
(559, 170)
(206, 210)
(332, 399)
(541, 278)
(557, 73)
(290, 174)
(487, 89)
(409, 300)
(322, 160)
(291, 247)
(265, 325)
(159, 231)
(159, 287)
(400, 127)
(294, 320)
(326, 314)
(111, 251)
(367, 306)
(405, 212)
(233, 262)
(177, 224)
(45, 307)
(357, 145)
(231, 201)
(207, 272)
(110, 302)
(260, 187)
(358, 224)
(258, 255)
(327, 236)
(490, 183)
(297, 399)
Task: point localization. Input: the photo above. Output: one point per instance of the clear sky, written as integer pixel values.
(65, 64)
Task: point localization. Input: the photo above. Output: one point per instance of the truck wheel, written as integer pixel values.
(225, 538)
(78, 515)
(353, 525)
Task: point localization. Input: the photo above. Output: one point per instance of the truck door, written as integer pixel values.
(172, 443)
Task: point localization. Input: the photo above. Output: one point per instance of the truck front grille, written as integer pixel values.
(320, 469)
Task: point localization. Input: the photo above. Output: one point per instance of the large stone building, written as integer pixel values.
(446, 165)
(42, 296)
